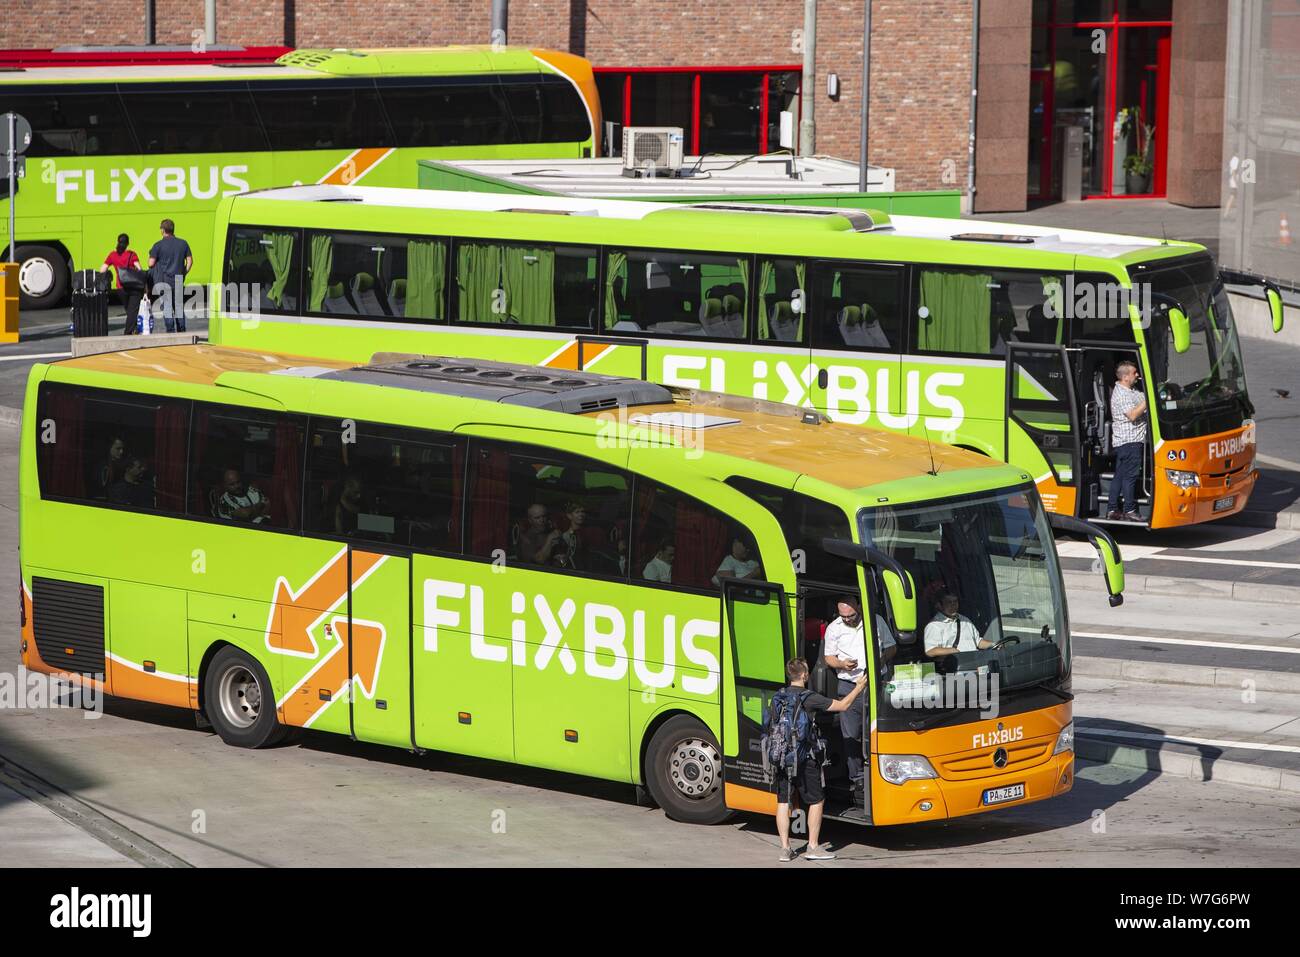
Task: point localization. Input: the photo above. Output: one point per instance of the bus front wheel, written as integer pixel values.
(238, 700)
(42, 277)
(684, 772)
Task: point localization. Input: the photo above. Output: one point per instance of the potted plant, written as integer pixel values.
(1137, 165)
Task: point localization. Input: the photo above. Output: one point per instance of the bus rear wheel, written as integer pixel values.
(238, 700)
(42, 277)
(684, 772)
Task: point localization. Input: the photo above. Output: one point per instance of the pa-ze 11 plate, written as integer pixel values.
(1012, 792)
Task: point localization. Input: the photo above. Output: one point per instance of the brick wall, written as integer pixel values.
(920, 50)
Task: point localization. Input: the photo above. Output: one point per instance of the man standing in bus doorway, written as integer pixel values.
(845, 648)
(1128, 430)
(169, 262)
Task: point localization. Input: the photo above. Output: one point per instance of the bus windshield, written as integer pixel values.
(994, 552)
(1201, 390)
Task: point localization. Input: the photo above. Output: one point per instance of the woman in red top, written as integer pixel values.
(123, 257)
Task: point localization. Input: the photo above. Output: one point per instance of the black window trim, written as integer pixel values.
(299, 254)
(812, 302)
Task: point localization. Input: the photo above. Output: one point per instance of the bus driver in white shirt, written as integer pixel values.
(950, 632)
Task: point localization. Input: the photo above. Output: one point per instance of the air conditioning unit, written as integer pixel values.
(652, 150)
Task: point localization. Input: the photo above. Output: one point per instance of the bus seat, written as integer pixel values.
(711, 317)
(365, 295)
(859, 326)
(397, 297)
(336, 301)
(782, 322)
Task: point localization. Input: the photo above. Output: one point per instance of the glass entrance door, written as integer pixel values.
(1102, 66)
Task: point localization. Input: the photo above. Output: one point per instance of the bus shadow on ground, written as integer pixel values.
(1099, 784)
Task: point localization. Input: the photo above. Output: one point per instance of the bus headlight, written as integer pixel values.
(1065, 740)
(1183, 479)
(897, 768)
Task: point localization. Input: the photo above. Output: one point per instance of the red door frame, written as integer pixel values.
(694, 132)
(1112, 28)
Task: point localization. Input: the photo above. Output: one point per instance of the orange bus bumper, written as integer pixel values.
(902, 803)
(1225, 467)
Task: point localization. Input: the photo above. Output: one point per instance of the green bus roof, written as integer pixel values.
(307, 63)
(775, 230)
(780, 444)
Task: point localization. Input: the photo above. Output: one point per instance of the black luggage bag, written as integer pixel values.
(90, 303)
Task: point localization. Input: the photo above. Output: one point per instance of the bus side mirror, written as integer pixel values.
(1275, 307)
(902, 602)
(1112, 563)
(1181, 328)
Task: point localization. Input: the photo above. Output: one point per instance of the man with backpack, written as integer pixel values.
(793, 750)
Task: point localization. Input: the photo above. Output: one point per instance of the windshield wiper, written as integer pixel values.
(1046, 685)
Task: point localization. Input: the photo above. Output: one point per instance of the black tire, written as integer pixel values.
(239, 702)
(684, 756)
(42, 277)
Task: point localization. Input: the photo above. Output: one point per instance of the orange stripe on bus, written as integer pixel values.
(356, 166)
(567, 358)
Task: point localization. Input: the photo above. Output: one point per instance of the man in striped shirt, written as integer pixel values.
(1128, 430)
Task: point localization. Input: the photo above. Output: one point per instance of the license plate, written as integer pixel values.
(1012, 792)
(1223, 504)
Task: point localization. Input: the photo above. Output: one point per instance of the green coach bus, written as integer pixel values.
(587, 573)
(117, 148)
(1003, 342)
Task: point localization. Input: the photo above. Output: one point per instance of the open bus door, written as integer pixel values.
(1042, 415)
(756, 636)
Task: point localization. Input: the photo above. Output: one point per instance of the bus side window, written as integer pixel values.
(312, 116)
(87, 122)
(678, 541)
(856, 307)
(117, 449)
(782, 299)
(678, 293)
(1108, 320)
(540, 508)
(246, 466)
(263, 271)
(983, 312)
(377, 276)
(447, 111)
(203, 118)
(385, 484)
(526, 285)
(805, 521)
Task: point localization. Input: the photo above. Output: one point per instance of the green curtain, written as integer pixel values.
(426, 267)
(529, 281)
(1059, 307)
(280, 255)
(801, 277)
(766, 288)
(322, 264)
(478, 275)
(615, 268)
(744, 300)
(959, 307)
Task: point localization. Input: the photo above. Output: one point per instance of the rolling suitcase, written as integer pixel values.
(89, 303)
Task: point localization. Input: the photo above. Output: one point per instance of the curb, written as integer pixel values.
(1183, 587)
(1109, 750)
(1207, 676)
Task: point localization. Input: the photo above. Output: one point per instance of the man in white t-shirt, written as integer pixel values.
(951, 632)
(660, 568)
(737, 564)
(241, 502)
(845, 648)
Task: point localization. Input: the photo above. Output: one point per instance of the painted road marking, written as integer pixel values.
(36, 355)
(1198, 642)
(1133, 553)
(1178, 739)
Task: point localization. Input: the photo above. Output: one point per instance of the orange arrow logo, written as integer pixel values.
(295, 616)
(329, 680)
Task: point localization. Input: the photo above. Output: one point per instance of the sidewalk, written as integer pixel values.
(1232, 735)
